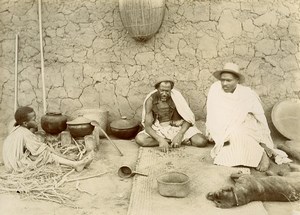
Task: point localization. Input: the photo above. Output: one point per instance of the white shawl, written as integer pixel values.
(227, 111)
(180, 103)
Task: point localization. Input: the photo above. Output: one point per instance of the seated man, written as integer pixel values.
(168, 119)
(22, 149)
(237, 124)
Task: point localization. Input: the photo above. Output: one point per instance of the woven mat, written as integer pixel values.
(205, 177)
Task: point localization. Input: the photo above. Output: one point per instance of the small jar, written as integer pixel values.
(90, 143)
(65, 138)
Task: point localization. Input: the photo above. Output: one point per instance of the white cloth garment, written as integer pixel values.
(21, 149)
(238, 118)
(168, 131)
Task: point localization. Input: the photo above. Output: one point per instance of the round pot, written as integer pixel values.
(98, 114)
(125, 128)
(80, 127)
(54, 122)
(173, 184)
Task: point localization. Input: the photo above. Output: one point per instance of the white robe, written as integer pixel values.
(182, 107)
(238, 118)
(22, 149)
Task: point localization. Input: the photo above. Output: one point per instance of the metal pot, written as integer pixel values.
(125, 128)
(80, 127)
(173, 184)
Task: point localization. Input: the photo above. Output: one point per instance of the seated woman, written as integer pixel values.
(22, 149)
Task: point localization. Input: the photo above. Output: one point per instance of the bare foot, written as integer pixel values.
(85, 162)
(264, 163)
(294, 167)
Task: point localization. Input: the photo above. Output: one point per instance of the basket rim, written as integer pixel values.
(158, 178)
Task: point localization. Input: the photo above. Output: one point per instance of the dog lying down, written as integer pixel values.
(247, 188)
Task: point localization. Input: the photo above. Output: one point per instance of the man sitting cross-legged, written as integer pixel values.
(168, 120)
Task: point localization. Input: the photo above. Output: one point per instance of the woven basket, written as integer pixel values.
(142, 18)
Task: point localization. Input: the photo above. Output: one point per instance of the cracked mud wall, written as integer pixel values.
(90, 60)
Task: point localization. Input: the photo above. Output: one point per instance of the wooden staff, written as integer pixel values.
(16, 73)
(42, 57)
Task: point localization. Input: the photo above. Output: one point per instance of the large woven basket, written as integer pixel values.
(142, 18)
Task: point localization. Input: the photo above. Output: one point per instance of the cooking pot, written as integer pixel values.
(125, 128)
(173, 184)
(54, 122)
(80, 127)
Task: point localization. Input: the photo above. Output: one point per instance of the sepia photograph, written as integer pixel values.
(150, 107)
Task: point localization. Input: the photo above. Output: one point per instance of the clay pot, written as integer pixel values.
(54, 122)
(125, 128)
(98, 114)
(80, 127)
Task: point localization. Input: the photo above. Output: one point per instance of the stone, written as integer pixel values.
(185, 50)
(197, 11)
(81, 15)
(122, 86)
(268, 18)
(144, 58)
(89, 97)
(100, 44)
(289, 63)
(288, 46)
(267, 46)
(56, 93)
(208, 46)
(86, 37)
(229, 26)
(294, 29)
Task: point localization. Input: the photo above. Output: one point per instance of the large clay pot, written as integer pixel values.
(54, 122)
(98, 114)
(80, 127)
(124, 128)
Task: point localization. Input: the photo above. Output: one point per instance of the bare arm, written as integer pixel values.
(149, 120)
(176, 142)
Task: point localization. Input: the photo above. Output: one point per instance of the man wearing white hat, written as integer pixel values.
(168, 119)
(237, 124)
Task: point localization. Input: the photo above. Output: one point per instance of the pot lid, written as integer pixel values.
(124, 123)
(79, 120)
(286, 118)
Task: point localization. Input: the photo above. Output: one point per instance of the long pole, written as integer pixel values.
(42, 57)
(16, 73)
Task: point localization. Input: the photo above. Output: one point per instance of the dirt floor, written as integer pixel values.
(107, 194)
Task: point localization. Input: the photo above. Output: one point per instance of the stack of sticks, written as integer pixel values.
(39, 183)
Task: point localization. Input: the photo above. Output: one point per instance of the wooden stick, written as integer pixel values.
(64, 178)
(16, 72)
(80, 152)
(86, 177)
(111, 141)
(42, 57)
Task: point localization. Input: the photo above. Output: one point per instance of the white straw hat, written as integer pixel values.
(231, 68)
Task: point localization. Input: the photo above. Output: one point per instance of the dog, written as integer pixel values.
(248, 188)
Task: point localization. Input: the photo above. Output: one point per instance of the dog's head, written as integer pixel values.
(223, 198)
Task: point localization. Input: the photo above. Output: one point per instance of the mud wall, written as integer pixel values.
(91, 61)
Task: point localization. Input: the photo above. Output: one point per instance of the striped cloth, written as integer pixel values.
(21, 149)
(238, 119)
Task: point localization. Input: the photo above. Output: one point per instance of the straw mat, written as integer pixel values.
(205, 177)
